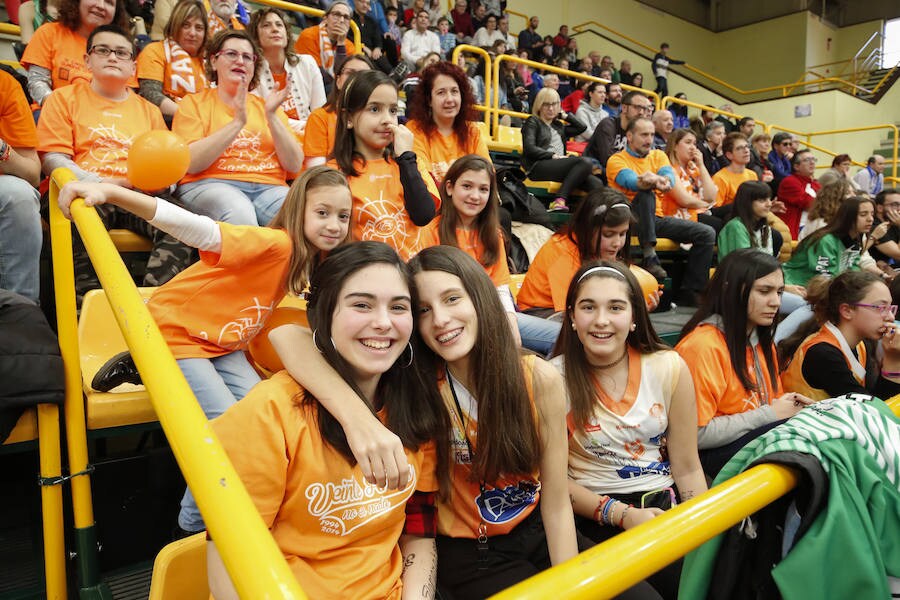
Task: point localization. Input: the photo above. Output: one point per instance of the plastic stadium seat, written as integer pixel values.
(515, 284)
(179, 571)
(26, 428)
(509, 140)
(484, 130)
(662, 245)
(99, 339)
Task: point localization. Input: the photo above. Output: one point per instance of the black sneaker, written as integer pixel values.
(652, 266)
(116, 371)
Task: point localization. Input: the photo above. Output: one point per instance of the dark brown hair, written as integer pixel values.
(507, 441)
(415, 411)
(487, 222)
(603, 207)
(215, 46)
(354, 98)
(256, 20)
(70, 15)
(579, 373)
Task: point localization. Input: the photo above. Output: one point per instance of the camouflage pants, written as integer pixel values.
(168, 257)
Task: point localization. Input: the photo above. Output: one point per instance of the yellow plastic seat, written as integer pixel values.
(128, 241)
(99, 339)
(662, 244)
(515, 284)
(483, 129)
(179, 571)
(14, 64)
(509, 139)
(26, 428)
(549, 187)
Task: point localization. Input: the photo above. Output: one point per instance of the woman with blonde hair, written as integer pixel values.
(544, 158)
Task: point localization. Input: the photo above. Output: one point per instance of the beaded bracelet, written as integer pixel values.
(622, 518)
(890, 373)
(604, 515)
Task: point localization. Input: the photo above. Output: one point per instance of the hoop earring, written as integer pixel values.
(316, 342)
(409, 363)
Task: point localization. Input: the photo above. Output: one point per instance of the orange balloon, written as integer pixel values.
(649, 284)
(261, 350)
(157, 159)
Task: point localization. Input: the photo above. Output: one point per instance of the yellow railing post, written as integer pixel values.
(487, 79)
(52, 501)
(254, 562)
(643, 550)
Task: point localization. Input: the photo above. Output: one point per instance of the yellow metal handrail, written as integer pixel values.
(10, 29)
(525, 17)
(673, 100)
(785, 89)
(495, 100)
(643, 550)
(487, 72)
(808, 135)
(254, 562)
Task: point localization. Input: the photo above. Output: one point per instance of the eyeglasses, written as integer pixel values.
(234, 56)
(340, 16)
(787, 143)
(641, 107)
(882, 309)
(739, 148)
(810, 159)
(892, 205)
(104, 51)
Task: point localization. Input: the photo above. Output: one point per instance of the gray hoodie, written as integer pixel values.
(591, 117)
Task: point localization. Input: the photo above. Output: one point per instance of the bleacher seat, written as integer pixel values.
(128, 241)
(179, 571)
(26, 428)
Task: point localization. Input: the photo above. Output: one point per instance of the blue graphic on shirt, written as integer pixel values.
(654, 468)
(501, 505)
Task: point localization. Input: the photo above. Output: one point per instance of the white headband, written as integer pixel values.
(601, 268)
(602, 208)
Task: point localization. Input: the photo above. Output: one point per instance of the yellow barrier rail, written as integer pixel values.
(673, 100)
(645, 549)
(495, 99)
(785, 89)
(10, 29)
(808, 136)
(253, 560)
(481, 52)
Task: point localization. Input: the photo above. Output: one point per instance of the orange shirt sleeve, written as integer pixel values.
(706, 360)
(315, 141)
(560, 275)
(499, 271)
(16, 123)
(308, 43)
(151, 62)
(39, 50)
(55, 129)
(188, 122)
(480, 144)
(429, 235)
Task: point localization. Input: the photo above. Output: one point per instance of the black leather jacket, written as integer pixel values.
(536, 137)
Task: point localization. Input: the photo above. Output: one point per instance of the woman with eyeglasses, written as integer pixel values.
(838, 356)
(242, 148)
(55, 55)
(544, 158)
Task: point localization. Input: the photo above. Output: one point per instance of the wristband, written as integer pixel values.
(890, 373)
(5, 150)
(622, 518)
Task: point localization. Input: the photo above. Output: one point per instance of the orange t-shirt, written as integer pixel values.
(687, 179)
(16, 123)
(219, 304)
(506, 502)
(654, 162)
(719, 391)
(250, 156)
(308, 43)
(338, 533)
(96, 132)
(470, 243)
(729, 182)
(793, 378)
(438, 152)
(179, 72)
(59, 49)
(379, 213)
(318, 140)
(547, 279)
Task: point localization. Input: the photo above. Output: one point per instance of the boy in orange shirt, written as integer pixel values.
(736, 149)
(88, 127)
(20, 170)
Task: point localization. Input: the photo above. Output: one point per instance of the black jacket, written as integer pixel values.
(536, 137)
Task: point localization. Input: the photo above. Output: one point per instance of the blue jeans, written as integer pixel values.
(217, 383)
(20, 237)
(235, 202)
(537, 334)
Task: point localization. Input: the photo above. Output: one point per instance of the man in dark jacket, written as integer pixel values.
(609, 137)
(371, 38)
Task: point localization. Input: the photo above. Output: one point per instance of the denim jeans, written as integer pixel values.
(235, 202)
(217, 383)
(538, 334)
(20, 237)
